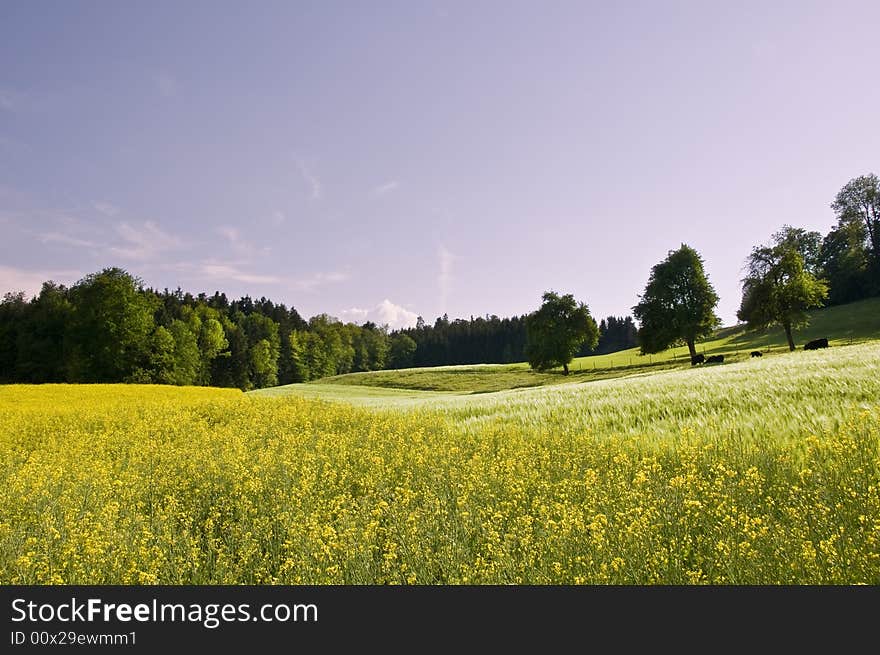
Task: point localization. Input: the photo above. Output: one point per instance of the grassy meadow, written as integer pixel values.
(856, 322)
(762, 471)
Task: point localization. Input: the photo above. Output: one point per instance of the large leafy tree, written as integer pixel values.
(111, 326)
(556, 331)
(678, 303)
(778, 289)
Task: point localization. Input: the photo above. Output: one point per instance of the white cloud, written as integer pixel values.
(165, 84)
(311, 179)
(17, 279)
(444, 278)
(238, 243)
(385, 313)
(355, 315)
(143, 242)
(394, 316)
(386, 188)
(316, 280)
(221, 271)
(66, 239)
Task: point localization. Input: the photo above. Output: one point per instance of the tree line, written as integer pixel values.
(109, 328)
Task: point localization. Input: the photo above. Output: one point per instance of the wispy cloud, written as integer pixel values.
(316, 280)
(385, 313)
(355, 315)
(444, 277)
(317, 190)
(143, 242)
(239, 244)
(67, 239)
(277, 217)
(384, 189)
(237, 271)
(224, 271)
(165, 84)
(30, 281)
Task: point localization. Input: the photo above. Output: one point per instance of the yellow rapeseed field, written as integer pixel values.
(125, 484)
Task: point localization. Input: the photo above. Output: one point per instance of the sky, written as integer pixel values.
(385, 160)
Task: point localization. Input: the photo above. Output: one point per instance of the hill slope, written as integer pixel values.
(842, 325)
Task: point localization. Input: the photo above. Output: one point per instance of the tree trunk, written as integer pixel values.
(788, 336)
(692, 349)
(565, 368)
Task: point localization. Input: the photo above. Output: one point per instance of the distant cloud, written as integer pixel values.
(67, 239)
(317, 280)
(239, 244)
(224, 271)
(385, 313)
(235, 270)
(277, 217)
(165, 84)
(143, 242)
(106, 208)
(355, 315)
(444, 278)
(311, 179)
(386, 188)
(17, 279)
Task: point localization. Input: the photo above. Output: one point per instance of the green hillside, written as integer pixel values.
(842, 325)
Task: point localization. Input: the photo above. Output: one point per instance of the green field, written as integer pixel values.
(843, 325)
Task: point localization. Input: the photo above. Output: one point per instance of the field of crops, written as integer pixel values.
(755, 472)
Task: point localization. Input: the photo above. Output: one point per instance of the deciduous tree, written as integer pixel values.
(556, 331)
(778, 289)
(678, 303)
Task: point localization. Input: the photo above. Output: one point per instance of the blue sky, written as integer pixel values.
(388, 159)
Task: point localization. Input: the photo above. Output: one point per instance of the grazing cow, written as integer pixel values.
(697, 359)
(715, 359)
(757, 353)
(815, 344)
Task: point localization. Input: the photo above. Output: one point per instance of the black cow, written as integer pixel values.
(815, 344)
(756, 353)
(715, 359)
(697, 359)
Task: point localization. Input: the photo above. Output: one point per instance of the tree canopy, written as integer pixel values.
(678, 303)
(859, 201)
(557, 330)
(778, 288)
